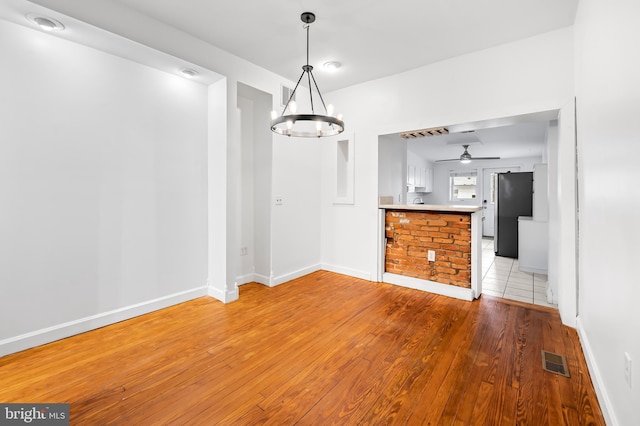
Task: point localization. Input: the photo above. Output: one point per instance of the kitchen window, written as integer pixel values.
(463, 185)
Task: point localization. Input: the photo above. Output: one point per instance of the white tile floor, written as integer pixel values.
(501, 278)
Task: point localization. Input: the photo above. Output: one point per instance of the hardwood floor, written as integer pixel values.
(322, 349)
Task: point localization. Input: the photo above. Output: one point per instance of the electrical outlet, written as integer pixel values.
(244, 251)
(627, 368)
(278, 200)
(431, 255)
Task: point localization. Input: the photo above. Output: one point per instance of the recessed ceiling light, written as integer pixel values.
(45, 23)
(189, 73)
(331, 66)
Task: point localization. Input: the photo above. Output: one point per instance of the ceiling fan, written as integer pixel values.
(466, 158)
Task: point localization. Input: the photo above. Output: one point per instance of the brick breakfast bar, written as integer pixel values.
(453, 233)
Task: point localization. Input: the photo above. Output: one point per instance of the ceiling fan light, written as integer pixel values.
(465, 158)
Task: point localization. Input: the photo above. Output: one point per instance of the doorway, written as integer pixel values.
(489, 198)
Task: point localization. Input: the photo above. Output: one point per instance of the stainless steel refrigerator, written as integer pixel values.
(514, 197)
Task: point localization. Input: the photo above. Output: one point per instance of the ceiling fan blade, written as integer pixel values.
(472, 159)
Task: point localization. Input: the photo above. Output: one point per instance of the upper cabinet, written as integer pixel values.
(419, 178)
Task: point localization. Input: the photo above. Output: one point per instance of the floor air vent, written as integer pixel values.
(554, 363)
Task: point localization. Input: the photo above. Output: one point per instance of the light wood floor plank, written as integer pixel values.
(322, 349)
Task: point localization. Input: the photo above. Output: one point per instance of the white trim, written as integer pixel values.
(71, 328)
(261, 279)
(293, 275)
(476, 253)
(346, 271)
(245, 279)
(601, 391)
(225, 296)
(382, 243)
(429, 286)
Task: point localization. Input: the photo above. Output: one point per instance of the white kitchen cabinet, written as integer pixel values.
(428, 179)
(411, 175)
(419, 178)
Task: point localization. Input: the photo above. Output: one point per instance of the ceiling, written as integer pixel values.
(370, 39)
(518, 140)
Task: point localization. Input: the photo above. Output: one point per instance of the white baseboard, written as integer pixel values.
(225, 296)
(346, 271)
(71, 328)
(430, 286)
(293, 275)
(245, 279)
(596, 377)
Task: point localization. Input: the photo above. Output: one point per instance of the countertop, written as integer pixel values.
(431, 207)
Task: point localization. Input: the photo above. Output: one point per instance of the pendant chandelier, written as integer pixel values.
(290, 123)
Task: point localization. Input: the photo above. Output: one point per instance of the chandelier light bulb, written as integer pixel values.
(330, 110)
(289, 124)
(293, 107)
(274, 114)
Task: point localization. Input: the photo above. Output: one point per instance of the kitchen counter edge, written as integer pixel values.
(431, 207)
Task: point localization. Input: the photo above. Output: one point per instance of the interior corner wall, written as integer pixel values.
(608, 106)
(555, 256)
(254, 209)
(103, 181)
(246, 209)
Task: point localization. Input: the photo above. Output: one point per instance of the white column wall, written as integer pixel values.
(608, 107)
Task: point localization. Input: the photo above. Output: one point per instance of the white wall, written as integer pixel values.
(253, 223)
(531, 75)
(608, 107)
(225, 140)
(246, 205)
(296, 223)
(557, 257)
(392, 168)
(103, 182)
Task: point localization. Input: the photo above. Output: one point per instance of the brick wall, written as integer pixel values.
(410, 234)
